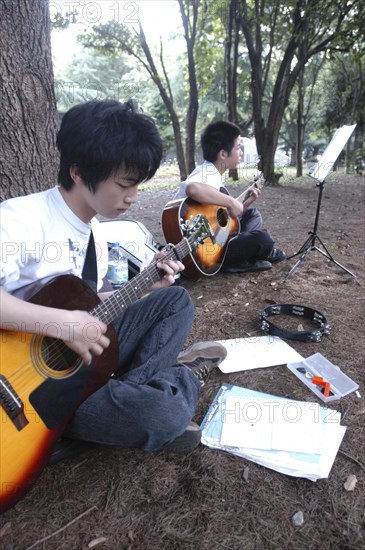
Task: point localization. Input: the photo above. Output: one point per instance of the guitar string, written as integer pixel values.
(102, 311)
(151, 272)
(223, 215)
(24, 375)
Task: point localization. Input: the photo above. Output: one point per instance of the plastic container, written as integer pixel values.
(317, 366)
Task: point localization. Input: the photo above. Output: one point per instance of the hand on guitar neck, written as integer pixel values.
(250, 195)
(245, 199)
(252, 192)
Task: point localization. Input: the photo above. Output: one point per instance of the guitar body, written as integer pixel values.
(42, 383)
(209, 257)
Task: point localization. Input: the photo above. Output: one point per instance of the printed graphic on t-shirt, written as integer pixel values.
(76, 254)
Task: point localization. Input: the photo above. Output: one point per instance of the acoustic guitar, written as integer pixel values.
(208, 258)
(42, 381)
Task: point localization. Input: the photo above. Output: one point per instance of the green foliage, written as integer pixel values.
(316, 32)
(209, 45)
(345, 79)
(59, 20)
(110, 38)
(93, 77)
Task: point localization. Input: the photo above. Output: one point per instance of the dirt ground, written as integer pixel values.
(118, 499)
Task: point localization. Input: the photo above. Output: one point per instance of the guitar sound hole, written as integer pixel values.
(222, 217)
(53, 359)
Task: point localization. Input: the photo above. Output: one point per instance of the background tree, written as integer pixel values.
(346, 102)
(114, 38)
(301, 111)
(28, 159)
(189, 16)
(89, 77)
(290, 33)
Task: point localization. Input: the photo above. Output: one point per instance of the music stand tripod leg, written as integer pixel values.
(307, 247)
(302, 257)
(319, 172)
(309, 243)
(328, 255)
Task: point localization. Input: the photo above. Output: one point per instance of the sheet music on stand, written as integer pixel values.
(325, 164)
(319, 171)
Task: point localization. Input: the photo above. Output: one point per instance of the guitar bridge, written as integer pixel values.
(12, 404)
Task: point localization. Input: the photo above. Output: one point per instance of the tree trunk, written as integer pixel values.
(28, 159)
(166, 96)
(189, 16)
(231, 62)
(307, 31)
(300, 125)
(191, 115)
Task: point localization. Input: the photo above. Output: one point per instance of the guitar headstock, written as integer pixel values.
(259, 180)
(197, 230)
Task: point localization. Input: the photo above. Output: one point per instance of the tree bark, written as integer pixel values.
(28, 158)
(166, 96)
(310, 28)
(300, 126)
(189, 23)
(231, 62)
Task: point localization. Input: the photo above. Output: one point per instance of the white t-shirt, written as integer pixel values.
(41, 237)
(205, 173)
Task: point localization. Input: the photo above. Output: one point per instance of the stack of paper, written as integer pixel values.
(256, 352)
(292, 437)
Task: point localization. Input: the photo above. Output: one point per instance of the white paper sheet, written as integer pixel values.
(311, 466)
(330, 155)
(271, 424)
(256, 353)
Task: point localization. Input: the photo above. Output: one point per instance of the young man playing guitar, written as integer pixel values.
(252, 249)
(149, 396)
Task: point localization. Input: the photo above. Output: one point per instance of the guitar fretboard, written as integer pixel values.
(132, 290)
(244, 196)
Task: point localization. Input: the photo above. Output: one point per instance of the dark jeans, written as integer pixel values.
(149, 401)
(252, 243)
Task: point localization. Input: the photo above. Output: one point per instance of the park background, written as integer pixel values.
(289, 73)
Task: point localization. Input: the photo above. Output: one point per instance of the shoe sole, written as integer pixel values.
(210, 350)
(280, 257)
(278, 261)
(246, 270)
(185, 443)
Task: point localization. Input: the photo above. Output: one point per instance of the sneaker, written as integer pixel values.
(186, 442)
(202, 358)
(276, 255)
(248, 267)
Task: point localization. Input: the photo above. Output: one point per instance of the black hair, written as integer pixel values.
(101, 136)
(217, 136)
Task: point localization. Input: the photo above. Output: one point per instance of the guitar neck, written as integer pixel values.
(247, 192)
(132, 290)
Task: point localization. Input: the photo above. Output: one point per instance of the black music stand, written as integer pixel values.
(319, 172)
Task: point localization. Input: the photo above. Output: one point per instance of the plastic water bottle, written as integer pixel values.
(117, 266)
